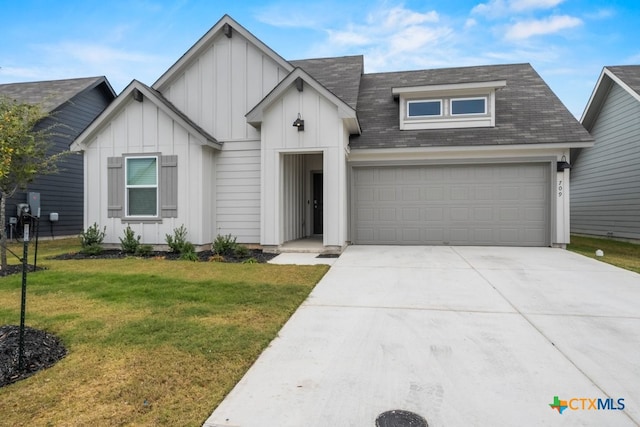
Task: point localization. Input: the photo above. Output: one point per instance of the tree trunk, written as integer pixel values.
(3, 232)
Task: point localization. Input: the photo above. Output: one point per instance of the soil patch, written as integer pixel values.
(15, 269)
(255, 254)
(41, 350)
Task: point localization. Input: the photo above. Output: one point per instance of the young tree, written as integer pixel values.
(23, 154)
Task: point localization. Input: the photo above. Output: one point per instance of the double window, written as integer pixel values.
(453, 107)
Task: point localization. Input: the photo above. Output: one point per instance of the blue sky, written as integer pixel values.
(567, 41)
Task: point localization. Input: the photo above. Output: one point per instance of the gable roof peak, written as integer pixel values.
(226, 25)
(51, 94)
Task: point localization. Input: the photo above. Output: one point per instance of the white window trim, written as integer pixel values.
(474, 98)
(415, 101)
(446, 93)
(127, 187)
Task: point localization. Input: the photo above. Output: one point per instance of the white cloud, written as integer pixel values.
(521, 5)
(398, 17)
(385, 36)
(498, 8)
(535, 27)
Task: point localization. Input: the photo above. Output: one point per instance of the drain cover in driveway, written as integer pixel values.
(400, 418)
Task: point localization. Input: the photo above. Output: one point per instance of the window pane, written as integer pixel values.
(141, 171)
(142, 201)
(468, 106)
(424, 108)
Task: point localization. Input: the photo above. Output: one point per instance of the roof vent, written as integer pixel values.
(400, 418)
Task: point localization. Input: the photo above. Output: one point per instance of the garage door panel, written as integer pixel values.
(459, 205)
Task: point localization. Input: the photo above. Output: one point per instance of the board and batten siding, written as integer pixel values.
(63, 192)
(605, 180)
(216, 90)
(324, 135)
(143, 128)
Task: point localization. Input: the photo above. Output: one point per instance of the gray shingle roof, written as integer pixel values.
(51, 94)
(629, 74)
(527, 111)
(339, 75)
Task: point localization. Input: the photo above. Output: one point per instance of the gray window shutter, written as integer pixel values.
(115, 187)
(169, 186)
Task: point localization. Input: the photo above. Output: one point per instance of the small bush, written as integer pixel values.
(93, 249)
(91, 239)
(178, 241)
(130, 244)
(144, 250)
(188, 252)
(241, 251)
(224, 245)
(250, 261)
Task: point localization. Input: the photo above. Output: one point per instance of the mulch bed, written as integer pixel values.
(41, 350)
(203, 256)
(17, 269)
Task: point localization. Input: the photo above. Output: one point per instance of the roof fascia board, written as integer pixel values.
(396, 91)
(254, 117)
(114, 108)
(606, 79)
(203, 43)
(469, 148)
(622, 84)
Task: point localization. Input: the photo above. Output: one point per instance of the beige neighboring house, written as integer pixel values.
(234, 139)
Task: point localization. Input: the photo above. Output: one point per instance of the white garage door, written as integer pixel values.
(497, 204)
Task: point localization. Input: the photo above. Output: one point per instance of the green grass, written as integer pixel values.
(175, 334)
(621, 254)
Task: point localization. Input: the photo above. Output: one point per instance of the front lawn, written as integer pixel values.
(621, 254)
(150, 341)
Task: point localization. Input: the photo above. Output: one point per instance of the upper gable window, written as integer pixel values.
(468, 106)
(421, 108)
(447, 106)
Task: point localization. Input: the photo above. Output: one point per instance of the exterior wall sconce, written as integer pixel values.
(299, 123)
(563, 164)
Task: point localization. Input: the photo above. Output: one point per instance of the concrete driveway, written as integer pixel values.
(463, 336)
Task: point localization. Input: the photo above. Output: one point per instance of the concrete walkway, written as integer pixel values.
(463, 336)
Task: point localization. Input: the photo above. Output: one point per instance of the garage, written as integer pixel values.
(474, 204)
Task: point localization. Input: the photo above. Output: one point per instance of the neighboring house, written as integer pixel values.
(605, 178)
(234, 139)
(72, 104)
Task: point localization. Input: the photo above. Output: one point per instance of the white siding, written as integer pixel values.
(237, 182)
(216, 91)
(605, 180)
(142, 128)
(324, 134)
(221, 85)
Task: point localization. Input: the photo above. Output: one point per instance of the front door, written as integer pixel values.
(317, 202)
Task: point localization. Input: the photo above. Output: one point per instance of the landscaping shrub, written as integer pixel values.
(188, 252)
(241, 251)
(91, 239)
(178, 241)
(224, 245)
(144, 250)
(130, 244)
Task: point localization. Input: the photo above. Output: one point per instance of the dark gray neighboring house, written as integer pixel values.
(73, 104)
(605, 179)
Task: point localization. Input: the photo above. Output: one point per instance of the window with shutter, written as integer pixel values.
(142, 187)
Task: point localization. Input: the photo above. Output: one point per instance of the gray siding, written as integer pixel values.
(605, 180)
(63, 192)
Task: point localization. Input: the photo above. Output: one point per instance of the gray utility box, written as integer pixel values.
(34, 203)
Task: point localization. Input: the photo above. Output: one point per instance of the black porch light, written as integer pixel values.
(299, 123)
(563, 164)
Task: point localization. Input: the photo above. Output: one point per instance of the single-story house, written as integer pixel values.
(234, 139)
(605, 179)
(71, 104)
